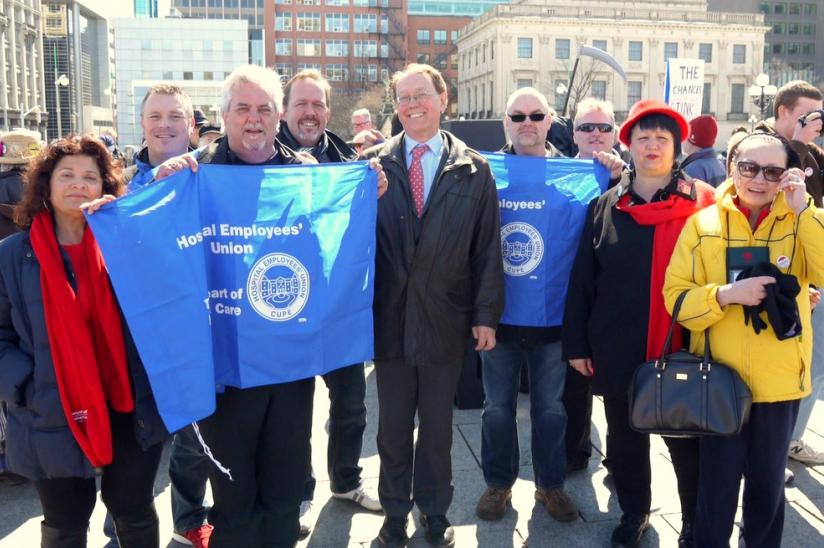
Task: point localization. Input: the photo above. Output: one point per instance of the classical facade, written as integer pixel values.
(535, 43)
(22, 93)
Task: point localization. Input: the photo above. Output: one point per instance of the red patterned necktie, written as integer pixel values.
(416, 177)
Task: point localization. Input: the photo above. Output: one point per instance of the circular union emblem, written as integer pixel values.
(522, 247)
(278, 287)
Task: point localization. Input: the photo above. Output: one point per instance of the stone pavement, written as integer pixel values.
(341, 524)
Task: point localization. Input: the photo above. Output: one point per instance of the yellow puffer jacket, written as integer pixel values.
(774, 370)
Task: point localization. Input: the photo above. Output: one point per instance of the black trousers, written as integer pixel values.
(578, 404)
(421, 474)
(759, 454)
(127, 488)
(347, 422)
(628, 452)
(262, 436)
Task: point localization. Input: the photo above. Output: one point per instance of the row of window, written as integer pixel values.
(598, 90)
(439, 61)
(439, 36)
(335, 72)
(335, 22)
(226, 3)
(789, 48)
(788, 8)
(355, 3)
(635, 50)
(807, 29)
(311, 47)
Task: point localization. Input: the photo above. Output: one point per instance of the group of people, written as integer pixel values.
(80, 405)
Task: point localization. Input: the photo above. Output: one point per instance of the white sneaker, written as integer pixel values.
(361, 496)
(802, 452)
(306, 518)
(789, 477)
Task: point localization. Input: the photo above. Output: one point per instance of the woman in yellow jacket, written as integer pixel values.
(764, 205)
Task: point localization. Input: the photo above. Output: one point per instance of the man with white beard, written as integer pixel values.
(306, 111)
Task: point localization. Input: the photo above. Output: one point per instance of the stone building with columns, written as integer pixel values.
(22, 93)
(535, 43)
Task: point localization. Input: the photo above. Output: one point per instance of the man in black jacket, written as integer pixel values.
(438, 281)
(306, 111)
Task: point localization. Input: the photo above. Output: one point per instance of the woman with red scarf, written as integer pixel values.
(615, 317)
(79, 400)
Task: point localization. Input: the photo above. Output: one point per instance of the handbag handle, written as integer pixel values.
(661, 362)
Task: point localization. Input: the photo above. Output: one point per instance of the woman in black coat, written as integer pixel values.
(79, 399)
(615, 317)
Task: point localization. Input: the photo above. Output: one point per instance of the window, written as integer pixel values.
(562, 48)
(524, 48)
(808, 49)
(705, 100)
(764, 7)
(440, 37)
(670, 51)
(737, 98)
(491, 50)
(308, 22)
(794, 9)
(483, 54)
(809, 29)
(283, 21)
(384, 50)
(336, 2)
(739, 54)
(283, 46)
(600, 44)
(187, 75)
(337, 72)
(337, 22)
(366, 22)
(384, 24)
(309, 2)
(366, 72)
(453, 35)
(366, 48)
(284, 70)
(793, 48)
(793, 28)
(599, 89)
(779, 8)
(778, 48)
(633, 93)
(423, 37)
(309, 47)
(337, 48)
(308, 66)
(779, 28)
(810, 9)
(422, 58)
(636, 52)
(522, 83)
(705, 52)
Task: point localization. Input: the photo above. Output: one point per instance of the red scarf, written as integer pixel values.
(669, 217)
(87, 350)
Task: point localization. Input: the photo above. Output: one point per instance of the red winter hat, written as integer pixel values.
(645, 107)
(703, 131)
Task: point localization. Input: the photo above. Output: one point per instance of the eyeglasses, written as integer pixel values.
(751, 169)
(418, 98)
(535, 117)
(589, 128)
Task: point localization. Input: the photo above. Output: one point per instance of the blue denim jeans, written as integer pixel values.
(347, 422)
(815, 375)
(188, 472)
(500, 454)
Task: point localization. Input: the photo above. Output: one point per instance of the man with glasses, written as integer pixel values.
(438, 281)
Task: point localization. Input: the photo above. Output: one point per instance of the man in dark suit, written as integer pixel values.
(438, 281)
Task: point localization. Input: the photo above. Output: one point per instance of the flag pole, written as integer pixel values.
(569, 87)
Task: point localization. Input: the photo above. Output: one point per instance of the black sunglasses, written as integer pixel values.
(535, 117)
(750, 169)
(589, 128)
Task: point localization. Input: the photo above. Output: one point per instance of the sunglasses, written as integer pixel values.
(589, 128)
(751, 169)
(535, 117)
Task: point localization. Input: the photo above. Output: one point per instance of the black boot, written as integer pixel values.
(686, 538)
(51, 537)
(629, 532)
(138, 533)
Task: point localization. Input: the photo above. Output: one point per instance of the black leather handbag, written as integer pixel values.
(680, 394)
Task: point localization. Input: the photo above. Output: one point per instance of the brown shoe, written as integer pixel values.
(492, 505)
(558, 504)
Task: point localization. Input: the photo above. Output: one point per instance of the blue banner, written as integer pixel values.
(243, 276)
(543, 203)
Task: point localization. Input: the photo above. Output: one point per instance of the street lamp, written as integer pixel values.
(62, 80)
(35, 108)
(762, 92)
(560, 91)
